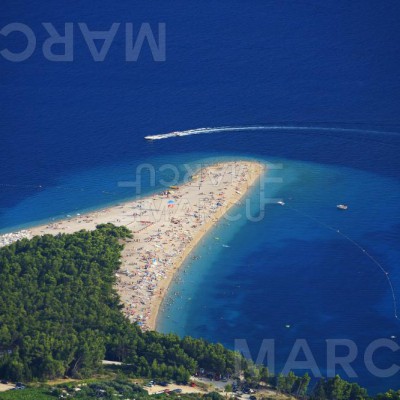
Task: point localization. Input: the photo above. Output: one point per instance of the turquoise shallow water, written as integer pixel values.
(290, 268)
(98, 187)
(71, 131)
(293, 268)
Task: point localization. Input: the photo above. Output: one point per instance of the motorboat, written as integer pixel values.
(163, 136)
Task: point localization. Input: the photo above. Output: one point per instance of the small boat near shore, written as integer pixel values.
(342, 206)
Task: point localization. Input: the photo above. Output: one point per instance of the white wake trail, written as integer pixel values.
(218, 129)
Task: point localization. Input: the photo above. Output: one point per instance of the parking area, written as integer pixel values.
(156, 389)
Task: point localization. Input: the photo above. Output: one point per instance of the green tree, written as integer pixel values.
(337, 389)
(264, 375)
(213, 396)
(389, 395)
(290, 380)
(318, 392)
(228, 388)
(302, 385)
(280, 383)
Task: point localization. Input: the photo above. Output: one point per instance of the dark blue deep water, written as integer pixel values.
(71, 131)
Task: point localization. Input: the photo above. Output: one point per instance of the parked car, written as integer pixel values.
(4, 382)
(20, 385)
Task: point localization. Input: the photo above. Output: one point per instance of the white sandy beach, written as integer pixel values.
(166, 227)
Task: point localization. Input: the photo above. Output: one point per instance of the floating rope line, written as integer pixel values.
(356, 244)
(8, 185)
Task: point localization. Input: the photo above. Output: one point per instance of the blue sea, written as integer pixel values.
(323, 74)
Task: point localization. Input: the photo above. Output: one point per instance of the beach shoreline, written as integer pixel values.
(258, 169)
(166, 227)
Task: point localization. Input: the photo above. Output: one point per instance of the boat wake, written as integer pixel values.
(302, 129)
(221, 129)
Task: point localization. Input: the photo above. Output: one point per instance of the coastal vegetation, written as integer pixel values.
(107, 389)
(338, 389)
(325, 389)
(60, 315)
